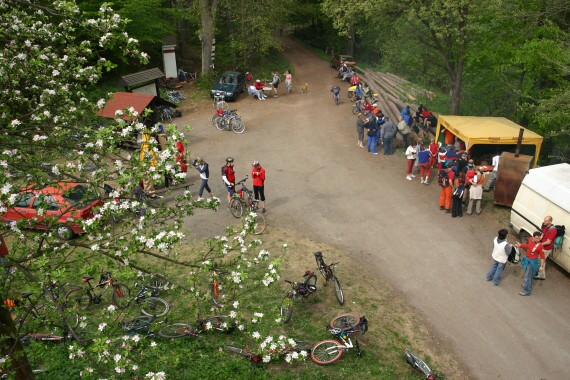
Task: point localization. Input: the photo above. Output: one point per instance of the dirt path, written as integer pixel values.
(321, 184)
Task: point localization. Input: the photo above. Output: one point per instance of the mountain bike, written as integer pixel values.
(38, 312)
(226, 120)
(83, 297)
(151, 305)
(139, 325)
(298, 289)
(416, 362)
(328, 274)
(244, 199)
(330, 350)
(219, 323)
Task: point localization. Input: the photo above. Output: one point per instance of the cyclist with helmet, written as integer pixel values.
(229, 176)
(258, 176)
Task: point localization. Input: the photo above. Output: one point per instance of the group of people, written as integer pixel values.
(257, 88)
(538, 248)
(257, 175)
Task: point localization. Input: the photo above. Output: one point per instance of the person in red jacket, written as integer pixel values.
(181, 158)
(534, 252)
(258, 177)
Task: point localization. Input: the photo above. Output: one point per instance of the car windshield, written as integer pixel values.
(79, 195)
(347, 59)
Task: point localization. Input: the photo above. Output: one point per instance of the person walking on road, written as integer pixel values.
(388, 133)
(547, 241)
(229, 177)
(500, 254)
(204, 171)
(275, 82)
(534, 251)
(258, 178)
(288, 81)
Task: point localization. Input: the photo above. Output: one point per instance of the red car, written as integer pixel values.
(66, 202)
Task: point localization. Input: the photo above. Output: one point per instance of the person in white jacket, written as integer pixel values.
(500, 254)
(411, 153)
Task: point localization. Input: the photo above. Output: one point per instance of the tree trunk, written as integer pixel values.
(208, 19)
(350, 41)
(12, 347)
(455, 89)
(230, 29)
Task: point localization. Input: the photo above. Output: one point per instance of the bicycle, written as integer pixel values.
(175, 96)
(225, 120)
(330, 350)
(216, 322)
(303, 289)
(26, 339)
(139, 325)
(220, 102)
(244, 199)
(357, 107)
(52, 293)
(328, 274)
(151, 305)
(416, 362)
(300, 345)
(83, 297)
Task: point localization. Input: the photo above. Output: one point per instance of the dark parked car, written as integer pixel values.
(339, 59)
(230, 84)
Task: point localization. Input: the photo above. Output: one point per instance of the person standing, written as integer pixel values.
(360, 121)
(534, 251)
(475, 192)
(372, 128)
(229, 177)
(445, 177)
(288, 81)
(433, 150)
(500, 254)
(457, 196)
(424, 157)
(204, 171)
(547, 241)
(404, 129)
(493, 175)
(275, 82)
(258, 178)
(388, 133)
(411, 158)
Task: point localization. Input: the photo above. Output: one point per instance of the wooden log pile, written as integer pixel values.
(394, 92)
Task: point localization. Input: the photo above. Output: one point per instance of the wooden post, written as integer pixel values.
(519, 142)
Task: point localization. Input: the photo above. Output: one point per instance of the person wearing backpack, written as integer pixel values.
(500, 254)
(549, 233)
(445, 179)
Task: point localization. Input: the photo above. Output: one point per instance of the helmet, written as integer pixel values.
(255, 163)
(229, 159)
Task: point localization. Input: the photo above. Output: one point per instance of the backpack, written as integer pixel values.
(560, 231)
(442, 178)
(514, 256)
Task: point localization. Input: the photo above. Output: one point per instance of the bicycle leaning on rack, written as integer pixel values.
(301, 289)
(342, 326)
(83, 297)
(243, 199)
(328, 274)
(226, 120)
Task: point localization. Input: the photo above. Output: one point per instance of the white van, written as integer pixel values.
(544, 191)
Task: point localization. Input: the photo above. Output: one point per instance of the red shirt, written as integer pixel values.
(258, 176)
(181, 159)
(229, 173)
(259, 85)
(355, 79)
(533, 250)
(433, 148)
(548, 233)
(368, 107)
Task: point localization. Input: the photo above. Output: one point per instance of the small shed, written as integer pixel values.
(143, 82)
(124, 100)
(484, 131)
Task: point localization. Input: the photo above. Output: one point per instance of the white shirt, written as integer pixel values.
(495, 162)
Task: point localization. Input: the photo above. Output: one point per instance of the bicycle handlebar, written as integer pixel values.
(242, 181)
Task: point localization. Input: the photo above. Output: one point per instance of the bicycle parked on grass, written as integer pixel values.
(139, 325)
(226, 120)
(83, 297)
(220, 323)
(416, 362)
(150, 304)
(298, 289)
(300, 345)
(243, 199)
(54, 296)
(328, 274)
(330, 350)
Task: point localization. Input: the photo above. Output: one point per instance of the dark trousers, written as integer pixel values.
(204, 185)
(456, 207)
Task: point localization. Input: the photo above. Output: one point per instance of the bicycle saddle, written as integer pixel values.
(25, 295)
(87, 278)
(318, 254)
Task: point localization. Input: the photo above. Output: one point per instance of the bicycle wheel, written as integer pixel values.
(355, 109)
(217, 120)
(338, 290)
(286, 309)
(121, 295)
(177, 330)
(345, 321)
(302, 345)
(221, 105)
(136, 324)
(219, 322)
(326, 352)
(259, 224)
(154, 306)
(160, 282)
(78, 298)
(71, 317)
(236, 207)
(238, 126)
(310, 279)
